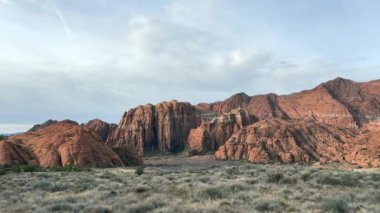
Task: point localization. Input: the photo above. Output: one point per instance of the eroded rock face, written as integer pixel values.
(66, 143)
(104, 129)
(48, 123)
(211, 135)
(283, 141)
(365, 148)
(339, 102)
(162, 127)
(13, 153)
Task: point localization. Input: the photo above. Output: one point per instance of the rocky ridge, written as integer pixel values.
(59, 144)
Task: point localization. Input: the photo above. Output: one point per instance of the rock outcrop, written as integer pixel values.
(48, 123)
(211, 135)
(13, 153)
(339, 102)
(103, 129)
(162, 127)
(174, 126)
(277, 140)
(365, 148)
(63, 143)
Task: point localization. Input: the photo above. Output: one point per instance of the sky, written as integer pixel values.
(80, 60)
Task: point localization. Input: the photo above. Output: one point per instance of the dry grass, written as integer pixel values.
(178, 184)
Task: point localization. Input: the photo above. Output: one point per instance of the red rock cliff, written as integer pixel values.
(162, 127)
(66, 143)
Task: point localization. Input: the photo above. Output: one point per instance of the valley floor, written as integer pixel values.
(197, 184)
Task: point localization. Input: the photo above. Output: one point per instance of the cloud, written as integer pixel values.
(63, 21)
(119, 59)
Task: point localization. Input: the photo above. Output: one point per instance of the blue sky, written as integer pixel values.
(98, 58)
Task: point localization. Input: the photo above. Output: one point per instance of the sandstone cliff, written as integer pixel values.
(276, 140)
(103, 129)
(339, 102)
(162, 127)
(212, 134)
(60, 144)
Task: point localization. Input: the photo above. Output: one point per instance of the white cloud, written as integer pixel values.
(63, 21)
(118, 60)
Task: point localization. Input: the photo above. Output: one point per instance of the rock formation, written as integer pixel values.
(211, 135)
(60, 144)
(103, 129)
(163, 127)
(14, 153)
(365, 148)
(335, 121)
(339, 102)
(48, 123)
(276, 140)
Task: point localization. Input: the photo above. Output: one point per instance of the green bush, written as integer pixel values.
(139, 171)
(275, 177)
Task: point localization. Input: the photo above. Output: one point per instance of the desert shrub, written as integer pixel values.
(341, 180)
(106, 175)
(375, 177)
(20, 168)
(35, 168)
(112, 177)
(139, 170)
(141, 189)
(3, 172)
(128, 155)
(289, 180)
(270, 206)
(61, 207)
(376, 197)
(30, 168)
(43, 185)
(69, 168)
(233, 171)
(337, 206)
(212, 193)
(305, 176)
(147, 206)
(236, 187)
(48, 186)
(97, 209)
(84, 183)
(275, 177)
(204, 179)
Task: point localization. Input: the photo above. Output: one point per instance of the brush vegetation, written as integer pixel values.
(179, 184)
